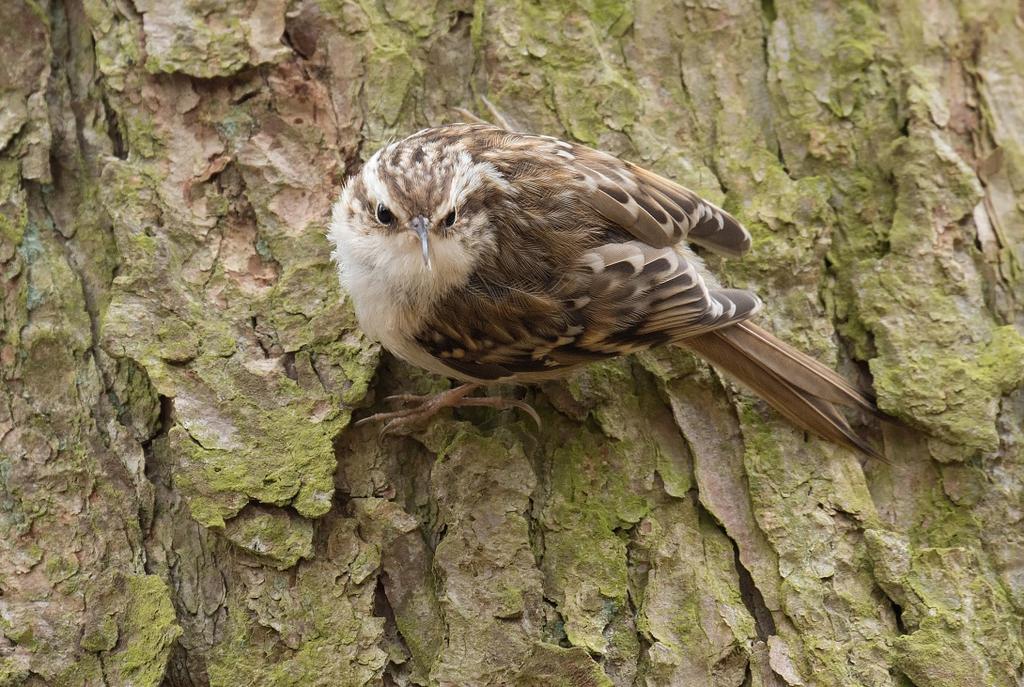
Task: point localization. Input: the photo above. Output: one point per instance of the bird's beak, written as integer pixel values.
(419, 225)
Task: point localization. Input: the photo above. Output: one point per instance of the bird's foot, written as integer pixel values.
(427, 406)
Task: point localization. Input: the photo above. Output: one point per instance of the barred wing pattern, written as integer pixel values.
(629, 284)
(622, 297)
(652, 208)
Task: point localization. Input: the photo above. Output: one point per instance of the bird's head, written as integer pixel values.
(420, 206)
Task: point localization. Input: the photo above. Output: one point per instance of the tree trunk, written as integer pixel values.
(183, 499)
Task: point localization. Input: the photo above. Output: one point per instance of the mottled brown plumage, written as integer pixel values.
(488, 255)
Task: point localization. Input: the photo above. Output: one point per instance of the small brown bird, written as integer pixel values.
(491, 256)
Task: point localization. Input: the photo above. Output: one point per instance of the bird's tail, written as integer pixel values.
(799, 387)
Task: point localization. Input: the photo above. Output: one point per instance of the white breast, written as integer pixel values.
(390, 286)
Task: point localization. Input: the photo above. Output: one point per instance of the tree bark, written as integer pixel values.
(183, 499)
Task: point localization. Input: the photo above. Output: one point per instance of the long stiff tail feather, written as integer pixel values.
(803, 390)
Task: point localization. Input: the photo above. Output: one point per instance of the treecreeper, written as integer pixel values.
(488, 255)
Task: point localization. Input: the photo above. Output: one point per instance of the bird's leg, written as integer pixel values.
(425, 407)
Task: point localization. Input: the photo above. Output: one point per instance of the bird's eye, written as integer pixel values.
(384, 215)
(450, 219)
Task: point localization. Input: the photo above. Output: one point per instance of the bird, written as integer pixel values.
(489, 255)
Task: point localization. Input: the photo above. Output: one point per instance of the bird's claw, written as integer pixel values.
(426, 406)
(504, 404)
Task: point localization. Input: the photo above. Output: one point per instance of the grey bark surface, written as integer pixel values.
(184, 500)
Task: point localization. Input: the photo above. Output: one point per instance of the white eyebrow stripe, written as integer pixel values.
(377, 189)
(467, 176)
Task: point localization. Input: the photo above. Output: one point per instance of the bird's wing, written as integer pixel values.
(619, 298)
(652, 208)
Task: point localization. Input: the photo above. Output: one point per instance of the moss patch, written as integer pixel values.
(951, 607)
(147, 631)
(314, 625)
(262, 373)
(272, 534)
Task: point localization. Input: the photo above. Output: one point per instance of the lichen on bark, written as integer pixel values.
(185, 500)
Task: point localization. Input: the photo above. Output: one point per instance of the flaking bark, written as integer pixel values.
(183, 499)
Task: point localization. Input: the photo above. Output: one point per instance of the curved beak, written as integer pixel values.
(420, 226)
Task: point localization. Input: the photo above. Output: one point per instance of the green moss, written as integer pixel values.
(418, 17)
(613, 17)
(60, 568)
(1002, 360)
(840, 118)
(12, 672)
(476, 27)
(148, 631)
(205, 46)
(84, 671)
(273, 535)
(589, 104)
(610, 101)
(952, 607)
(13, 211)
(288, 459)
(135, 399)
(927, 658)
(349, 17)
(176, 341)
(142, 135)
(405, 557)
(900, 295)
(254, 425)
(929, 370)
(309, 626)
(563, 46)
(101, 636)
(719, 579)
(359, 363)
(585, 558)
(689, 607)
(808, 498)
(22, 635)
(763, 453)
(392, 66)
(252, 431)
(117, 44)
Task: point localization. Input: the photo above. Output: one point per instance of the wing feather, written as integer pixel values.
(620, 298)
(652, 208)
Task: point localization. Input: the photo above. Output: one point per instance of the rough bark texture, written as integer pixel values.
(184, 502)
